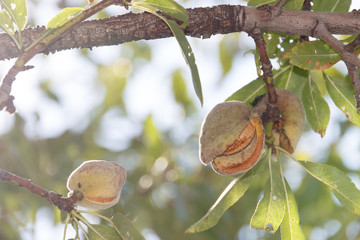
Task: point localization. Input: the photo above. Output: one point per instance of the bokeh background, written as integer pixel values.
(135, 104)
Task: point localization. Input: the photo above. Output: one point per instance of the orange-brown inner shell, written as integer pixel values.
(242, 164)
(101, 199)
(247, 134)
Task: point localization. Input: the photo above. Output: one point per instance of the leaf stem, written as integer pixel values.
(81, 227)
(106, 219)
(66, 224)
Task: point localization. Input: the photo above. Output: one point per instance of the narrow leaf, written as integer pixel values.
(249, 92)
(331, 5)
(270, 210)
(343, 99)
(169, 7)
(179, 89)
(188, 55)
(6, 23)
(272, 42)
(338, 182)
(105, 231)
(291, 78)
(314, 55)
(63, 17)
(316, 108)
(126, 227)
(290, 4)
(184, 45)
(232, 193)
(17, 10)
(228, 47)
(290, 227)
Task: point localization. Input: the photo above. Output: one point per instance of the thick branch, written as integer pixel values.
(64, 204)
(204, 22)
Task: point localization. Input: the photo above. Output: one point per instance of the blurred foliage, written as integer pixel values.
(167, 189)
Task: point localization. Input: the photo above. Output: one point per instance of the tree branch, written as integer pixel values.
(278, 6)
(203, 23)
(63, 203)
(272, 112)
(351, 60)
(306, 7)
(354, 44)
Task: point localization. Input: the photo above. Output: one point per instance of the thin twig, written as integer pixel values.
(280, 4)
(277, 7)
(56, 199)
(353, 72)
(272, 113)
(351, 60)
(321, 32)
(354, 44)
(306, 7)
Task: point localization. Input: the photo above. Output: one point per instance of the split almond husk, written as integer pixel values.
(292, 115)
(100, 182)
(229, 140)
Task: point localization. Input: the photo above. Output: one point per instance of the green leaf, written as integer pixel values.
(184, 45)
(331, 5)
(188, 55)
(340, 184)
(105, 231)
(232, 193)
(169, 7)
(270, 210)
(291, 78)
(6, 22)
(314, 55)
(290, 227)
(343, 99)
(290, 4)
(151, 138)
(126, 227)
(17, 10)
(63, 17)
(228, 47)
(316, 108)
(272, 41)
(249, 92)
(13, 12)
(179, 89)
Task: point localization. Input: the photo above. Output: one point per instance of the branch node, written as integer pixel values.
(278, 6)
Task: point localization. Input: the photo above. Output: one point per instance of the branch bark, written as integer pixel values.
(203, 23)
(63, 203)
(272, 113)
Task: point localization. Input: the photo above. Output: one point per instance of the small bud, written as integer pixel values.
(100, 182)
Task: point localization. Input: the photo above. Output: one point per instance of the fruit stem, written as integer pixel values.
(272, 111)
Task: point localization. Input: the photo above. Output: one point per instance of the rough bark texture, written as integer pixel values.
(203, 23)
